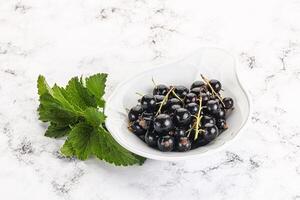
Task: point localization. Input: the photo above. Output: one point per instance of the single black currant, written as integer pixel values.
(191, 98)
(220, 114)
(210, 132)
(173, 101)
(228, 102)
(171, 110)
(183, 144)
(160, 90)
(207, 120)
(180, 132)
(181, 91)
(215, 84)
(136, 128)
(148, 103)
(135, 113)
(151, 138)
(199, 84)
(163, 123)
(212, 106)
(165, 143)
(193, 108)
(197, 90)
(221, 124)
(205, 98)
(182, 117)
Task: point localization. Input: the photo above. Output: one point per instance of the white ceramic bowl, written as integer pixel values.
(211, 62)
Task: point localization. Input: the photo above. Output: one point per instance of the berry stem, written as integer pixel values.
(153, 82)
(177, 96)
(212, 89)
(139, 94)
(164, 101)
(198, 118)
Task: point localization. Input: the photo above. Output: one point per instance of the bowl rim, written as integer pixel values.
(194, 156)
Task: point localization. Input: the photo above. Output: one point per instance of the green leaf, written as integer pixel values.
(106, 148)
(57, 130)
(94, 117)
(50, 110)
(61, 95)
(74, 112)
(43, 87)
(67, 149)
(79, 95)
(80, 139)
(96, 85)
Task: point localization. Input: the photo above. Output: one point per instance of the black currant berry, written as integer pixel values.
(151, 138)
(135, 113)
(136, 128)
(193, 108)
(215, 84)
(210, 132)
(181, 91)
(212, 106)
(160, 90)
(220, 114)
(191, 98)
(148, 103)
(173, 101)
(163, 123)
(197, 90)
(228, 102)
(182, 117)
(199, 84)
(205, 98)
(171, 110)
(165, 143)
(180, 132)
(207, 120)
(183, 144)
(221, 124)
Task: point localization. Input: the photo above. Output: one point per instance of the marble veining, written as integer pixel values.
(66, 38)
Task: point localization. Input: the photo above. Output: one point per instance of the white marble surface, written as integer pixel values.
(66, 38)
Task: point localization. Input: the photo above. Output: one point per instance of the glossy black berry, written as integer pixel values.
(193, 108)
(171, 110)
(191, 98)
(207, 120)
(228, 102)
(210, 132)
(180, 132)
(197, 90)
(204, 97)
(221, 124)
(136, 128)
(182, 117)
(199, 84)
(165, 143)
(181, 91)
(173, 101)
(183, 144)
(160, 90)
(135, 113)
(151, 138)
(148, 103)
(215, 84)
(163, 123)
(220, 114)
(212, 106)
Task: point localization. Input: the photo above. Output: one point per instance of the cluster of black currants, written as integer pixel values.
(176, 118)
